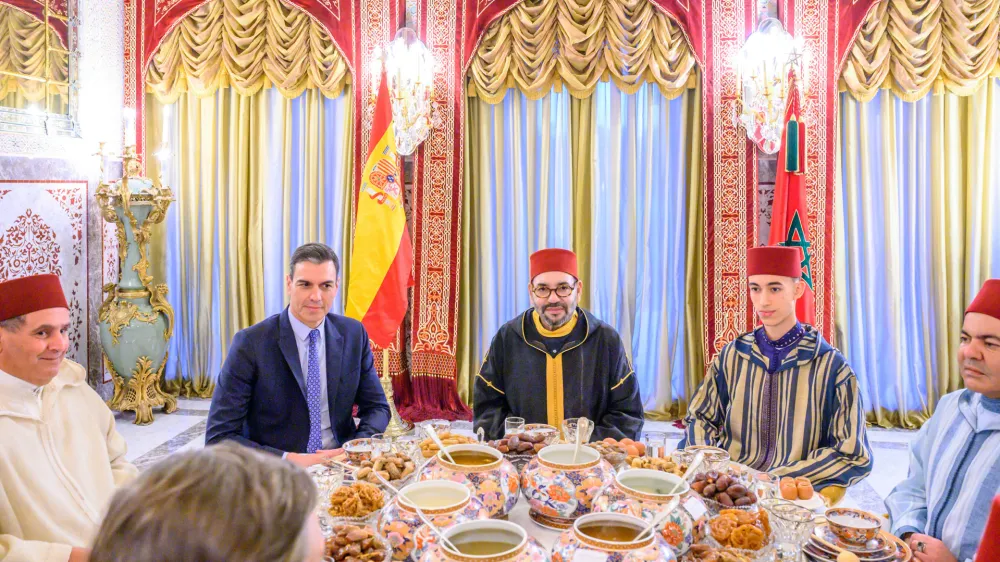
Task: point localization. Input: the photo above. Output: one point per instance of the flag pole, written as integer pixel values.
(397, 426)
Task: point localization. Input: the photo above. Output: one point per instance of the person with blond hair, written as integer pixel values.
(226, 503)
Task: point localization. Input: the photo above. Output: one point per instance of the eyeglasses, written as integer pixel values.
(543, 292)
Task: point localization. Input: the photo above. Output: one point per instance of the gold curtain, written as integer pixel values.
(528, 206)
(962, 142)
(917, 46)
(22, 53)
(228, 151)
(534, 201)
(544, 44)
(246, 45)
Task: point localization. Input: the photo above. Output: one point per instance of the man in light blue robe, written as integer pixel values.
(942, 506)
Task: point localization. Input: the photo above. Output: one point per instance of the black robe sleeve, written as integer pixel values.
(489, 401)
(624, 416)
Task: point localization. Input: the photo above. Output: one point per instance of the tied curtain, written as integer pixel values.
(23, 64)
(254, 177)
(917, 236)
(915, 47)
(615, 176)
(250, 121)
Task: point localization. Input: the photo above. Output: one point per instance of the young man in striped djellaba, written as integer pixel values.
(780, 398)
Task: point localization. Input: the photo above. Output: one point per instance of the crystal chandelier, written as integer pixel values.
(409, 69)
(763, 66)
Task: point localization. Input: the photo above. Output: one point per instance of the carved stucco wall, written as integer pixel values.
(35, 157)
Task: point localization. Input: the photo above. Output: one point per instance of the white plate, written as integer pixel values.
(814, 503)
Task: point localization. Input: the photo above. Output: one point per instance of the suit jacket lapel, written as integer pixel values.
(334, 346)
(290, 350)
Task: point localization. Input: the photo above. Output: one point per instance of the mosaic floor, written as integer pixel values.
(185, 430)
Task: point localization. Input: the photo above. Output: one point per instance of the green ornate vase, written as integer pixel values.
(136, 320)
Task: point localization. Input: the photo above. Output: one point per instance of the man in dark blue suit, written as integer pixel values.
(289, 383)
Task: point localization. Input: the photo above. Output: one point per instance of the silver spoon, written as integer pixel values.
(658, 520)
(699, 457)
(581, 427)
(437, 440)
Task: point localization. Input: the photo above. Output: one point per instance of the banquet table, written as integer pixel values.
(519, 515)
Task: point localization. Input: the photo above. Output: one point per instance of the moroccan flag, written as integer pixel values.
(789, 221)
(382, 257)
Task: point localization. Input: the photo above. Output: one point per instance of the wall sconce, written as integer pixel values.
(409, 68)
(762, 69)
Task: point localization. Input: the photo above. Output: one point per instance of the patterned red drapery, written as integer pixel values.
(717, 31)
(36, 8)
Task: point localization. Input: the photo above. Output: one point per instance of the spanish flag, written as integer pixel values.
(382, 256)
(789, 217)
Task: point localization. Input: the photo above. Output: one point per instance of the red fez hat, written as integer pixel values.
(988, 300)
(785, 261)
(30, 294)
(553, 259)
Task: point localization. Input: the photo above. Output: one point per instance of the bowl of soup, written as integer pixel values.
(560, 488)
(645, 494)
(489, 540)
(853, 526)
(492, 479)
(443, 502)
(614, 537)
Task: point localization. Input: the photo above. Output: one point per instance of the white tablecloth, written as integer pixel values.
(519, 515)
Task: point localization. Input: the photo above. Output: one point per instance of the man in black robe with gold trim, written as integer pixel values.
(557, 361)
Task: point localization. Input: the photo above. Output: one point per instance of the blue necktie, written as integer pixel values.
(313, 397)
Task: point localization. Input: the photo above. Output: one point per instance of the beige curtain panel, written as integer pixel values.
(246, 45)
(230, 149)
(918, 46)
(22, 58)
(542, 45)
(961, 181)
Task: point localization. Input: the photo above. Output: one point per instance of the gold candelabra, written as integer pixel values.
(397, 425)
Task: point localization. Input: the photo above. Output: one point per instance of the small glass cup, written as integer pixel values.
(683, 458)
(569, 428)
(381, 444)
(792, 525)
(408, 445)
(715, 458)
(767, 485)
(656, 444)
(513, 424)
(440, 426)
(328, 477)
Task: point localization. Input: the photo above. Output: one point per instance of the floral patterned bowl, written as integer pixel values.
(853, 526)
(629, 494)
(579, 540)
(358, 450)
(560, 490)
(495, 485)
(523, 548)
(450, 503)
